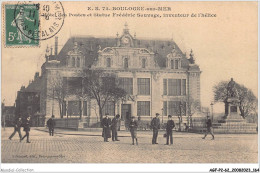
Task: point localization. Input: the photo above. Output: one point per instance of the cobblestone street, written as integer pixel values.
(88, 147)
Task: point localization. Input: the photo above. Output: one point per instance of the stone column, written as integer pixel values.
(81, 109)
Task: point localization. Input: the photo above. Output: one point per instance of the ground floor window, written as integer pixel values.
(176, 108)
(74, 108)
(165, 108)
(109, 108)
(143, 108)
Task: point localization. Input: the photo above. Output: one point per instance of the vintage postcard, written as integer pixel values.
(129, 82)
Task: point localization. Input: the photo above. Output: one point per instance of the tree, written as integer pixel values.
(247, 100)
(58, 92)
(102, 87)
(193, 106)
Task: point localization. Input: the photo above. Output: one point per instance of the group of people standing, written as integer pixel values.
(113, 126)
(107, 124)
(155, 124)
(26, 128)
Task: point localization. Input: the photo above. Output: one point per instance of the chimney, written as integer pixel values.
(22, 88)
(51, 50)
(56, 46)
(36, 75)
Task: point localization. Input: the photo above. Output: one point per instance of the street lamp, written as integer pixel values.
(180, 116)
(211, 104)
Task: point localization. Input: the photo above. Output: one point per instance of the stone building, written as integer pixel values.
(156, 74)
(8, 115)
(27, 102)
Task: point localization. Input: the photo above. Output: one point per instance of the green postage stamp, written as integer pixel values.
(21, 24)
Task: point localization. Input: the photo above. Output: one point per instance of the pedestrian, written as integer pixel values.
(209, 128)
(26, 128)
(133, 130)
(17, 128)
(51, 124)
(155, 124)
(106, 124)
(169, 126)
(114, 127)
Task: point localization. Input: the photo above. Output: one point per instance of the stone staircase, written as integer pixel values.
(234, 125)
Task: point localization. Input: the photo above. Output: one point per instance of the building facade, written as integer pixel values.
(8, 116)
(156, 74)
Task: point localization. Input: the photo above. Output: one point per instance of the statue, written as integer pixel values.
(231, 89)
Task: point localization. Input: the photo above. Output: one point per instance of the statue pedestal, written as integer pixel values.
(232, 111)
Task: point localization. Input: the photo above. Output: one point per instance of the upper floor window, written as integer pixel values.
(126, 63)
(143, 63)
(164, 86)
(174, 87)
(108, 62)
(126, 84)
(30, 98)
(78, 62)
(172, 64)
(72, 62)
(176, 64)
(143, 86)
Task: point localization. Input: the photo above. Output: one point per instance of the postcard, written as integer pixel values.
(133, 82)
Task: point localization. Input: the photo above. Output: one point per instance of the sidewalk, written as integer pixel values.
(124, 133)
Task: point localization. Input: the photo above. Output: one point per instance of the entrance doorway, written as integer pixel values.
(126, 113)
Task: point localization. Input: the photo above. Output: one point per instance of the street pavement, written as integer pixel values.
(88, 147)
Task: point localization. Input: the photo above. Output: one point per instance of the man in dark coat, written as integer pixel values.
(170, 125)
(106, 124)
(133, 130)
(114, 127)
(209, 128)
(51, 124)
(155, 124)
(26, 128)
(17, 128)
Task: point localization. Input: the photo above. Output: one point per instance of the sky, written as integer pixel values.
(224, 46)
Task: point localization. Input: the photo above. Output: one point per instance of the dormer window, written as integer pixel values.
(172, 64)
(72, 62)
(108, 62)
(176, 64)
(143, 63)
(126, 63)
(78, 62)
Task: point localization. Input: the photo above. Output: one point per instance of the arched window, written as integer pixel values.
(143, 63)
(72, 62)
(126, 63)
(78, 62)
(172, 64)
(108, 62)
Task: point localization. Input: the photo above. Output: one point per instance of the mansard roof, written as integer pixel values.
(89, 46)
